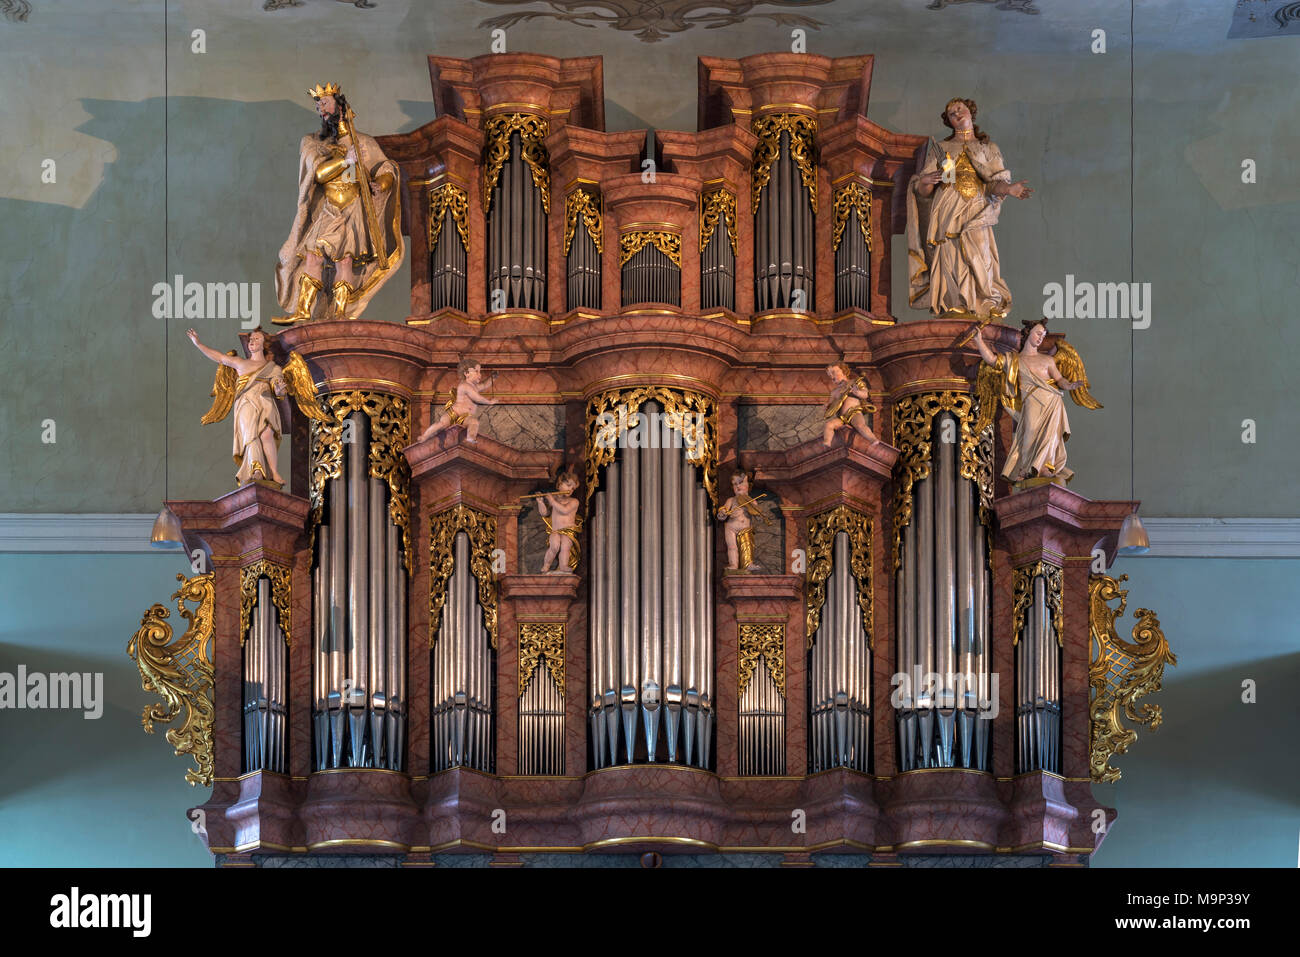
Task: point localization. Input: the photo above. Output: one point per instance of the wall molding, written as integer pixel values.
(125, 533)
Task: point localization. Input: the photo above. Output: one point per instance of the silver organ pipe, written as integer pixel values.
(448, 268)
(583, 271)
(463, 668)
(541, 724)
(762, 724)
(783, 237)
(516, 237)
(852, 267)
(943, 617)
(839, 674)
(265, 686)
(650, 276)
(1038, 682)
(651, 620)
(358, 619)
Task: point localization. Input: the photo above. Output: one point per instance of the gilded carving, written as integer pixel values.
(668, 243)
(583, 204)
(1023, 596)
(718, 206)
(532, 131)
(280, 596)
(537, 640)
(444, 198)
(768, 129)
(822, 530)
(1120, 673)
(853, 197)
(692, 414)
(482, 531)
(180, 672)
(767, 640)
(390, 433)
(912, 419)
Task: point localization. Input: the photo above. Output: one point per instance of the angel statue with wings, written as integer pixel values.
(1032, 387)
(252, 387)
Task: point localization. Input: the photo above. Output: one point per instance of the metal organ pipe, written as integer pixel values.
(840, 673)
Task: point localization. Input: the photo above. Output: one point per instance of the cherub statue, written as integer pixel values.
(251, 387)
(563, 524)
(848, 404)
(349, 216)
(737, 528)
(466, 404)
(1032, 386)
(953, 203)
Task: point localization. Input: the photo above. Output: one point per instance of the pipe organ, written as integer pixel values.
(943, 590)
(1037, 641)
(359, 607)
(908, 652)
(262, 628)
(651, 601)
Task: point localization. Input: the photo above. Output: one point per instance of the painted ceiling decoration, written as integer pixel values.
(1253, 19)
(1018, 6)
(654, 20)
(15, 10)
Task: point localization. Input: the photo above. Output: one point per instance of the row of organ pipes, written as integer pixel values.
(943, 590)
(651, 618)
(650, 275)
(853, 267)
(1038, 686)
(448, 268)
(541, 724)
(839, 674)
(516, 237)
(265, 691)
(718, 270)
(359, 692)
(464, 666)
(583, 269)
(783, 238)
(761, 738)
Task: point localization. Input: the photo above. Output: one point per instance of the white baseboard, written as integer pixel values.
(1170, 537)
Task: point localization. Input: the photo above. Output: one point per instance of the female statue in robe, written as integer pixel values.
(953, 203)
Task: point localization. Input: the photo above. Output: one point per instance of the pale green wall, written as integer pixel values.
(1217, 785)
(84, 83)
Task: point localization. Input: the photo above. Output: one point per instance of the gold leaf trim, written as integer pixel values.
(532, 132)
(537, 640)
(767, 640)
(1023, 596)
(913, 420)
(802, 130)
(822, 530)
(446, 197)
(281, 592)
(855, 197)
(390, 433)
(482, 531)
(1120, 673)
(180, 672)
(718, 206)
(670, 244)
(700, 439)
(585, 205)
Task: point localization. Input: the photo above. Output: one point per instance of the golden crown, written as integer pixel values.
(325, 89)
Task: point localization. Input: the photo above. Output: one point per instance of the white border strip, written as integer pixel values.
(1170, 537)
(87, 533)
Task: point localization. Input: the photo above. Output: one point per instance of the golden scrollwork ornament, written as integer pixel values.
(181, 673)
(443, 199)
(280, 596)
(822, 530)
(801, 129)
(852, 197)
(583, 205)
(532, 132)
(1121, 673)
(668, 243)
(1022, 596)
(765, 640)
(718, 208)
(538, 640)
(482, 531)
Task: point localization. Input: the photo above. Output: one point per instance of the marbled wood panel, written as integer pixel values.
(505, 720)
(577, 693)
(1002, 743)
(533, 540)
(525, 427)
(771, 428)
(726, 665)
(769, 540)
(300, 662)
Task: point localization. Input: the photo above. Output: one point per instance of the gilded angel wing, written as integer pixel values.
(298, 380)
(1070, 363)
(988, 388)
(223, 393)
